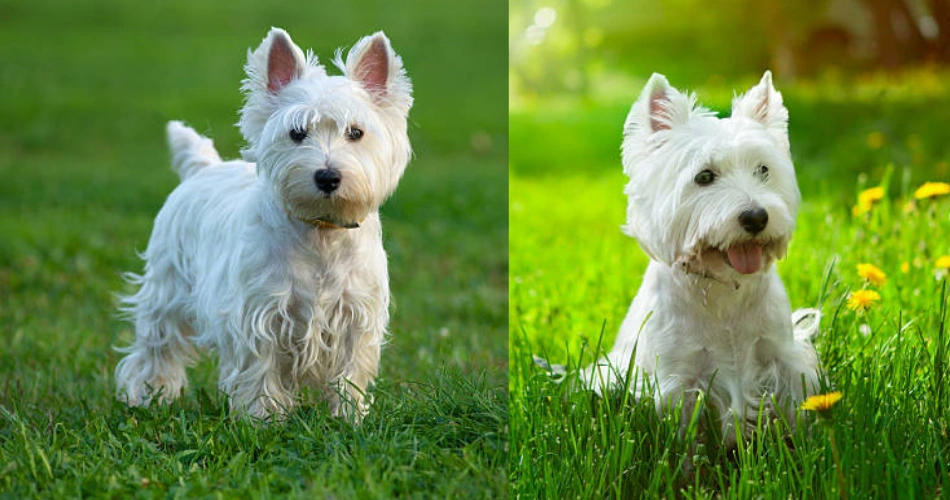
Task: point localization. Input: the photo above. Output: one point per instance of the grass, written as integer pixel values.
(87, 89)
(574, 274)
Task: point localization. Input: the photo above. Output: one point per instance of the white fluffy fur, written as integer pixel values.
(239, 261)
(697, 324)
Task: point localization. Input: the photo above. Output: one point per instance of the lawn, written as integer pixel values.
(574, 274)
(86, 90)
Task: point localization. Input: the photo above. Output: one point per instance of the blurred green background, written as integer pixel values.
(865, 81)
(86, 88)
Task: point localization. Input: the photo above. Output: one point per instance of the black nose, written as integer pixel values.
(327, 179)
(754, 220)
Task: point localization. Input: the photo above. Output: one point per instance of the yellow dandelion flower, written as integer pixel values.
(872, 273)
(931, 190)
(905, 267)
(862, 300)
(943, 262)
(875, 140)
(871, 195)
(867, 199)
(821, 402)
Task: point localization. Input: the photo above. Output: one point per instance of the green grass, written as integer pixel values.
(87, 88)
(574, 274)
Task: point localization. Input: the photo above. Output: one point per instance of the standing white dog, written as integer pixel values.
(277, 261)
(713, 203)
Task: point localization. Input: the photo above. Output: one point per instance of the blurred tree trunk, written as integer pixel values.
(897, 46)
(940, 11)
(781, 52)
(884, 37)
(915, 46)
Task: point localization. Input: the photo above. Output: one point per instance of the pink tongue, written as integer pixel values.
(746, 258)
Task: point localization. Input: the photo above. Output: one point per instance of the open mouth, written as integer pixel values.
(752, 256)
(745, 257)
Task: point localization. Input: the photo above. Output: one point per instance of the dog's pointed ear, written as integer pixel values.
(763, 104)
(275, 63)
(657, 94)
(659, 107)
(374, 64)
(285, 61)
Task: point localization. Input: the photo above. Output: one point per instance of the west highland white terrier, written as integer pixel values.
(277, 261)
(713, 203)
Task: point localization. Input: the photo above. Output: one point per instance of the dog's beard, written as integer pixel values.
(332, 211)
(345, 207)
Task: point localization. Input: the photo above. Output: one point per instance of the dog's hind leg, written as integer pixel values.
(616, 371)
(601, 377)
(154, 366)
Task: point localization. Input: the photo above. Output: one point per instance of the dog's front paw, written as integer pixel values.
(557, 373)
(351, 406)
(140, 381)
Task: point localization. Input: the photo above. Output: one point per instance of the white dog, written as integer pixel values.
(713, 203)
(277, 261)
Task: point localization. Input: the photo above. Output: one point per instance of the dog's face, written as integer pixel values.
(332, 147)
(715, 196)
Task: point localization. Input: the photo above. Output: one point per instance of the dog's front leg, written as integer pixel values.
(350, 397)
(254, 386)
(690, 402)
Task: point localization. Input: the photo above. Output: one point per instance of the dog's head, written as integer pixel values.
(716, 196)
(333, 147)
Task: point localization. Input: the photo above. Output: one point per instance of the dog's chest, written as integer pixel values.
(725, 348)
(334, 300)
(730, 331)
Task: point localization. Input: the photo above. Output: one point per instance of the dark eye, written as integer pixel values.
(353, 133)
(763, 171)
(298, 134)
(705, 178)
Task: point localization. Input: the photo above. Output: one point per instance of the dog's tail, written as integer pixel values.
(805, 323)
(190, 151)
